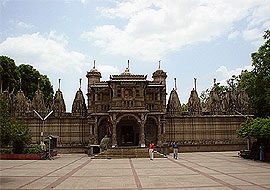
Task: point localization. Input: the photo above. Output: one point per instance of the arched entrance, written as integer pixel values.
(128, 131)
(102, 128)
(150, 130)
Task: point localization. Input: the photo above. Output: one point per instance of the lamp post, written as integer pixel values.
(43, 120)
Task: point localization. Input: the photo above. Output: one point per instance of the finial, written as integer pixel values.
(94, 64)
(59, 84)
(195, 79)
(38, 83)
(128, 64)
(80, 83)
(20, 84)
(159, 64)
(215, 81)
(175, 84)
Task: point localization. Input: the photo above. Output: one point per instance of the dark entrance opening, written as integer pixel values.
(128, 132)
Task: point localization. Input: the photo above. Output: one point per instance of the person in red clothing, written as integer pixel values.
(151, 150)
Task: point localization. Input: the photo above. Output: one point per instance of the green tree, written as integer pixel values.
(258, 128)
(257, 82)
(11, 74)
(30, 77)
(12, 132)
(8, 73)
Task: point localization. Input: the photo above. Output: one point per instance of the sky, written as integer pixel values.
(201, 39)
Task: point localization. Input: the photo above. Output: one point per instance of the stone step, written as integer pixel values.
(126, 152)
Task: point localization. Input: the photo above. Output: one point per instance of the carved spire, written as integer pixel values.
(79, 106)
(94, 64)
(59, 106)
(20, 102)
(174, 105)
(194, 105)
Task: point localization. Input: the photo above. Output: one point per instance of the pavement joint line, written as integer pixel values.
(18, 165)
(207, 175)
(254, 184)
(136, 177)
(232, 161)
(69, 174)
(46, 175)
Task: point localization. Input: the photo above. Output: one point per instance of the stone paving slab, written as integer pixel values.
(200, 170)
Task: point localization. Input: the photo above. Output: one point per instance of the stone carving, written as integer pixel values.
(79, 106)
(58, 107)
(229, 103)
(21, 104)
(243, 103)
(174, 105)
(214, 104)
(38, 102)
(194, 105)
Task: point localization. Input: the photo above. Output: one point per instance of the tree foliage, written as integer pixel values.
(258, 128)
(12, 132)
(11, 74)
(257, 82)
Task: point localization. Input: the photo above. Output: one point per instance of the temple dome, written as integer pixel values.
(126, 73)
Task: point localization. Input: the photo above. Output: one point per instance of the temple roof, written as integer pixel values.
(174, 105)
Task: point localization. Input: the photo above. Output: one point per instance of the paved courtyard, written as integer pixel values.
(204, 170)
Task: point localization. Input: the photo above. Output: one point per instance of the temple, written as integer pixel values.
(133, 111)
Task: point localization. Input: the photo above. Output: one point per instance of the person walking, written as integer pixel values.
(151, 150)
(175, 150)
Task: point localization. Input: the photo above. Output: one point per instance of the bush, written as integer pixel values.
(5, 151)
(35, 150)
(12, 132)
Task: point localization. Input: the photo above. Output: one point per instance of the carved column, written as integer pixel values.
(114, 142)
(96, 130)
(141, 135)
(159, 132)
(91, 124)
(114, 123)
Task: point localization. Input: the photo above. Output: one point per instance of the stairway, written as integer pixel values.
(127, 152)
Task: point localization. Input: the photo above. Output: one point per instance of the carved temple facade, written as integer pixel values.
(133, 111)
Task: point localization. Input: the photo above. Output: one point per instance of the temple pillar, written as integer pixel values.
(159, 131)
(96, 131)
(114, 141)
(141, 135)
(114, 124)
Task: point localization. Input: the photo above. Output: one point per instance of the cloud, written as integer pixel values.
(107, 70)
(233, 35)
(222, 74)
(154, 28)
(46, 52)
(253, 35)
(83, 1)
(21, 24)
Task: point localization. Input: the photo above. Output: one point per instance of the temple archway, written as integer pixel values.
(150, 130)
(128, 131)
(102, 128)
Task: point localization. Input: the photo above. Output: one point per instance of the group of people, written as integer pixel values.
(151, 148)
